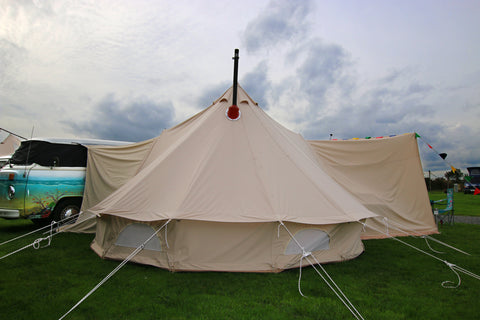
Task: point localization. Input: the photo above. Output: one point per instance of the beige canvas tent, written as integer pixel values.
(9, 145)
(384, 174)
(231, 195)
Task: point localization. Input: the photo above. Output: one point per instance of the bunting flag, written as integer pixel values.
(467, 179)
(441, 155)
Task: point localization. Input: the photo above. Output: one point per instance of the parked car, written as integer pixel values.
(44, 179)
(474, 177)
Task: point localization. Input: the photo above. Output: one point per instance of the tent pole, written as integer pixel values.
(235, 77)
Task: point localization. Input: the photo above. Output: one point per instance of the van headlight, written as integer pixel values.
(11, 192)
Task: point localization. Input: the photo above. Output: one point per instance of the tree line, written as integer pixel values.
(448, 180)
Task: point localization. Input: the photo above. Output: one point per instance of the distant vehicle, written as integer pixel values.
(474, 174)
(44, 179)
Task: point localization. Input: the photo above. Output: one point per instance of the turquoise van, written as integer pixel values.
(44, 179)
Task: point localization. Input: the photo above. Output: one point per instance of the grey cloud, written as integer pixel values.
(256, 83)
(323, 72)
(392, 76)
(326, 90)
(12, 58)
(322, 68)
(389, 105)
(280, 21)
(137, 120)
(406, 76)
(416, 88)
(377, 112)
(209, 95)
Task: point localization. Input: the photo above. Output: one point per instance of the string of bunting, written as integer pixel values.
(366, 138)
(444, 156)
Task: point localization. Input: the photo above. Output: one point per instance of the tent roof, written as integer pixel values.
(211, 168)
(9, 145)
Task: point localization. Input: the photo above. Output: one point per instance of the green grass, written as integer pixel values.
(388, 281)
(464, 204)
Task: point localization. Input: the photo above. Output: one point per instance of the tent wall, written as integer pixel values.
(188, 245)
(9, 145)
(108, 168)
(386, 176)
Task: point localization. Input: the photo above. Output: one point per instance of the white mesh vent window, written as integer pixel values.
(135, 234)
(310, 239)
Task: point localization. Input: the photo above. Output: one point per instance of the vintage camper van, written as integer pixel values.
(44, 179)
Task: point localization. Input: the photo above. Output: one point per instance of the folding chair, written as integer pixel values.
(446, 214)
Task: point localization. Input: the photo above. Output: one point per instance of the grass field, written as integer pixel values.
(464, 204)
(388, 281)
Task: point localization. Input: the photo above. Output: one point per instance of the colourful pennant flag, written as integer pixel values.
(453, 169)
(429, 146)
(417, 135)
(467, 178)
(477, 191)
(442, 155)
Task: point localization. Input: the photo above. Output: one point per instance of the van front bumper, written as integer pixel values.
(9, 214)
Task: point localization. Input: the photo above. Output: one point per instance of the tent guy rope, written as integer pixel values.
(24, 235)
(36, 243)
(325, 277)
(127, 259)
(409, 232)
(430, 247)
(331, 283)
(452, 266)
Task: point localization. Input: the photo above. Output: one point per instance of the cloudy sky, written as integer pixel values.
(127, 69)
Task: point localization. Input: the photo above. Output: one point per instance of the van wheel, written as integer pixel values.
(67, 211)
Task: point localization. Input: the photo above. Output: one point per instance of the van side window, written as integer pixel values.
(49, 154)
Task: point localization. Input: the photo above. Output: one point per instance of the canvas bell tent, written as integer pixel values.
(385, 174)
(9, 145)
(229, 189)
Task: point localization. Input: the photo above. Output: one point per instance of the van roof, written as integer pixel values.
(85, 142)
